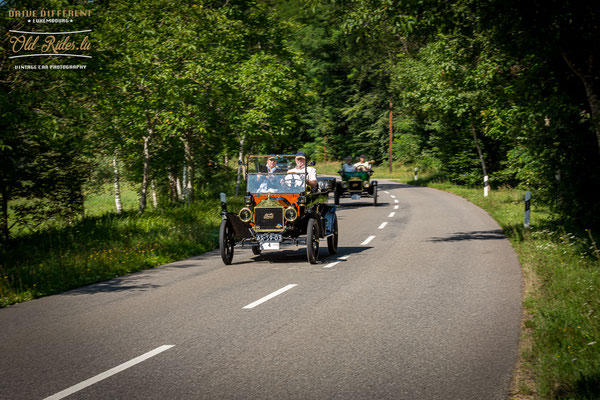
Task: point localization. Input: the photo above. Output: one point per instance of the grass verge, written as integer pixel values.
(560, 347)
(102, 247)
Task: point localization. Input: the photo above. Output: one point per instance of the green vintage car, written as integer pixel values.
(281, 210)
(355, 185)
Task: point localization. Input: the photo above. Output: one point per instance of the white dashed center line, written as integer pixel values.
(340, 259)
(391, 215)
(270, 296)
(382, 225)
(396, 201)
(386, 192)
(367, 240)
(396, 207)
(110, 372)
(393, 197)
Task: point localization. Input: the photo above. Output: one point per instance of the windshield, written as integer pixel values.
(293, 182)
(355, 173)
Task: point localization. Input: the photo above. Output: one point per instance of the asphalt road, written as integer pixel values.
(429, 308)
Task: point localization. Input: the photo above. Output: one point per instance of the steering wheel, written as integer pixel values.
(361, 168)
(289, 182)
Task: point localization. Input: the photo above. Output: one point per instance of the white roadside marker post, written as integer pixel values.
(416, 174)
(223, 197)
(527, 207)
(486, 186)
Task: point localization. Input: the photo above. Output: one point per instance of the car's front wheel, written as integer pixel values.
(312, 241)
(332, 241)
(374, 195)
(226, 241)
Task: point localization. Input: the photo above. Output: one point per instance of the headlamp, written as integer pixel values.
(245, 214)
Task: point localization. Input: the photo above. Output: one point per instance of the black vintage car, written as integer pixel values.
(280, 211)
(356, 184)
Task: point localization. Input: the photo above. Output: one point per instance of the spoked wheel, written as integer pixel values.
(226, 241)
(374, 195)
(256, 250)
(312, 241)
(332, 241)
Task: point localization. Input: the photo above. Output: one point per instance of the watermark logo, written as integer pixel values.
(35, 43)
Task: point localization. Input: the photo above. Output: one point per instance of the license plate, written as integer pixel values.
(268, 237)
(355, 196)
(269, 246)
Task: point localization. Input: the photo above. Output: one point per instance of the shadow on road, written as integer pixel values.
(359, 204)
(473, 235)
(299, 256)
(114, 285)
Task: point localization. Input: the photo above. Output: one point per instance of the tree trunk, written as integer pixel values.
(189, 168)
(173, 186)
(117, 183)
(154, 196)
(144, 192)
(591, 83)
(476, 141)
(240, 163)
(5, 229)
(179, 189)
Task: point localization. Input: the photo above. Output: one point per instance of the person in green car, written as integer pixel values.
(362, 164)
(348, 166)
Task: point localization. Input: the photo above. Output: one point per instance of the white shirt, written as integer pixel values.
(363, 164)
(311, 174)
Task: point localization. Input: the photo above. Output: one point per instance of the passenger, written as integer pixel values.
(348, 167)
(272, 165)
(269, 183)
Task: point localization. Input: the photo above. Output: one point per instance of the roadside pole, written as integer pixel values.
(390, 137)
(527, 208)
(486, 186)
(416, 174)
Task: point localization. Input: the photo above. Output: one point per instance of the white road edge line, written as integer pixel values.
(391, 215)
(383, 224)
(270, 296)
(109, 373)
(368, 240)
(345, 257)
(396, 207)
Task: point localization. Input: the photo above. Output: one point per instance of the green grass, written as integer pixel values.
(561, 267)
(104, 202)
(101, 246)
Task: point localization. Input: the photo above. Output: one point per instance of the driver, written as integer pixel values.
(301, 168)
(362, 164)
